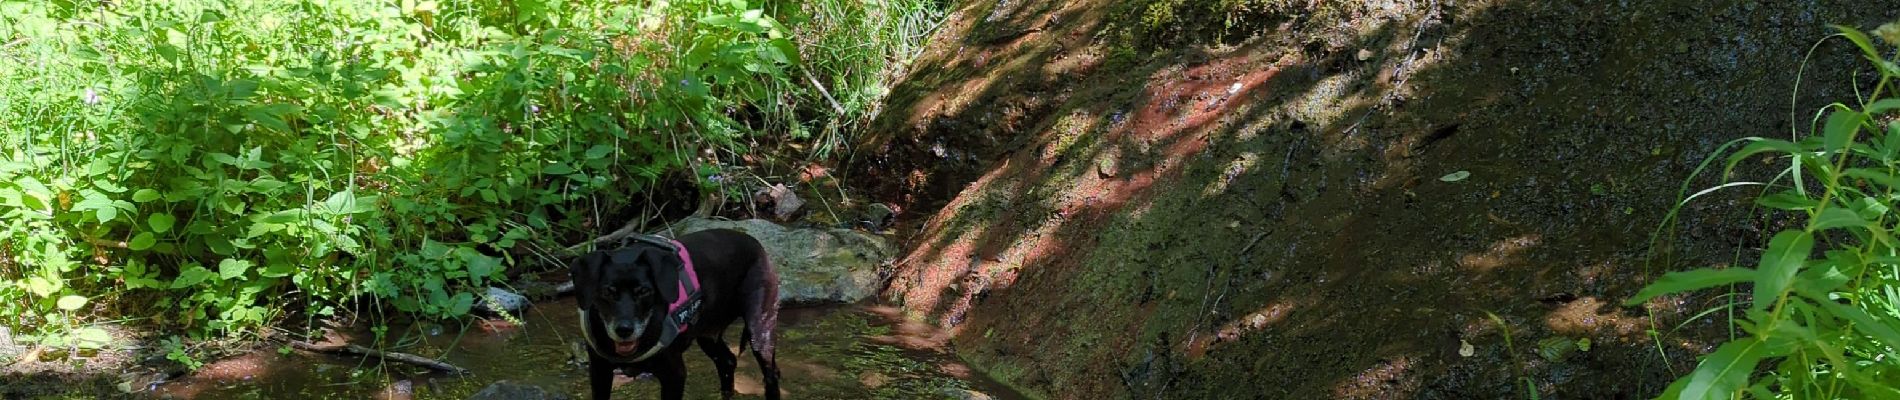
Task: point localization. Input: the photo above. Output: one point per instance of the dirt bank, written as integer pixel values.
(1167, 199)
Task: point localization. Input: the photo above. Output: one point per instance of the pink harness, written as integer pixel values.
(691, 277)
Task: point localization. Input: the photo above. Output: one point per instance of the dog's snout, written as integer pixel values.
(625, 330)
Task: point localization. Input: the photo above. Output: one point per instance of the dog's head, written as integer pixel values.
(618, 289)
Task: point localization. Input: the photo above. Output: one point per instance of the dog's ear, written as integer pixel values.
(585, 273)
(664, 267)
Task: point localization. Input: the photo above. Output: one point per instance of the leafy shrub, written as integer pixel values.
(222, 164)
(1827, 326)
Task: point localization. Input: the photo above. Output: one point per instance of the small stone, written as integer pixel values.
(878, 217)
(1465, 349)
(785, 203)
(1258, 321)
(507, 301)
(873, 380)
(1365, 54)
(964, 394)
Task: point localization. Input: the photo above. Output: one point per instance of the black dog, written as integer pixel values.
(639, 305)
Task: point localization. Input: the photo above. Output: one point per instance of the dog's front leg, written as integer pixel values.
(672, 375)
(723, 360)
(600, 376)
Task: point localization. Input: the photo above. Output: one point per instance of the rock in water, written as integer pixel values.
(814, 265)
(964, 394)
(785, 203)
(507, 301)
(506, 390)
(877, 218)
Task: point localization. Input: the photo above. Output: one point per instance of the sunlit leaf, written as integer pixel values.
(71, 303)
(232, 268)
(92, 338)
(145, 195)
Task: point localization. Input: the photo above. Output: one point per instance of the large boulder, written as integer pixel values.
(506, 390)
(814, 265)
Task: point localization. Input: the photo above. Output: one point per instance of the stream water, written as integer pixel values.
(828, 352)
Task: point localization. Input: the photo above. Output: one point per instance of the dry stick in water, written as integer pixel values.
(386, 355)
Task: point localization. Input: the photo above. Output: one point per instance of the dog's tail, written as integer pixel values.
(761, 309)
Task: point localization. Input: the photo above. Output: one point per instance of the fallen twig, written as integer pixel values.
(633, 226)
(386, 355)
(1250, 243)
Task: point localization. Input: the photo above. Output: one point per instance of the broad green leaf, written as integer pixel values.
(1841, 127)
(99, 204)
(434, 250)
(1723, 372)
(1786, 252)
(1787, 200)
(1882, 106)
(1455, 176)
(266, 185)
(161, 222)
(192, 276)
(557, 169)
(278, 270)
(232, 268)
(481, 266)
(93, 338)
(1837, 217)
(38, 197)
(599, 151)
(1879, 177)
(280, 217)
(1881, 329)
(1860, 40)
(226, 159)
(108, 186)
(461, 303)
(145, 195)
(1683, 281)
(271, 115)
(144, 240)
(71, 303)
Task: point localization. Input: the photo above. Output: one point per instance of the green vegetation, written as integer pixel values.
(222, 166)
(1826, 327)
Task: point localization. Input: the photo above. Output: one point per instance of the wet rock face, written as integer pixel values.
(506, 390)
(814, 265)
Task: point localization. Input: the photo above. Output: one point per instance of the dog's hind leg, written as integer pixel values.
(723, 359)
(761, 321)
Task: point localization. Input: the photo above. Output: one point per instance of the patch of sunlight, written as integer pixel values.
(1378, 381)
(1239, 166)
(1588, 315)
(1501, 253)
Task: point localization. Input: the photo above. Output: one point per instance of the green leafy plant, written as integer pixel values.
(227, 165)
(1817, 325)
